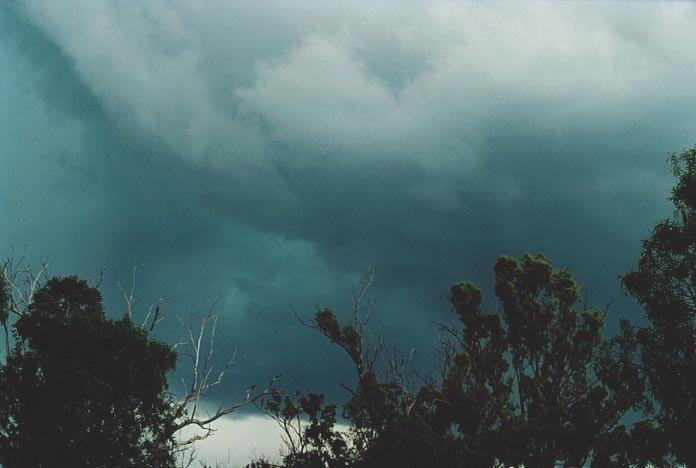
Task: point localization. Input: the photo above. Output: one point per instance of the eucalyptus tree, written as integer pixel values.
(526, 386)
(664, 283)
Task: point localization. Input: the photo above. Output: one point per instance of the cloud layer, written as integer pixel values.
(270, 151)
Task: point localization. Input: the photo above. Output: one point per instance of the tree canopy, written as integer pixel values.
(521, 388)
(664, 283)
(79, 389)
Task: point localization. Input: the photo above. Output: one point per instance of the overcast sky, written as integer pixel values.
(269, 151)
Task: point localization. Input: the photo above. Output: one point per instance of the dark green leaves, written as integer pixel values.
(663, 353)
(523, 387)
(80, 389)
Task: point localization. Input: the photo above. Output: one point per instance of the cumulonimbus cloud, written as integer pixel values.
(267, 149)
(326, 87)
(358, 128)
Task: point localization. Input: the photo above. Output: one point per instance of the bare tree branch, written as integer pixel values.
(128, 295)
(199, 347)
(20, 283)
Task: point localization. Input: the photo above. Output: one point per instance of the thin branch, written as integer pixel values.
(199, 347)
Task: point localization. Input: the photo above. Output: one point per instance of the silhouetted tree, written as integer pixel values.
(66, 355)
(664, 283)
(525, 388)
(565, 411)
(309, 434)
(80, 389)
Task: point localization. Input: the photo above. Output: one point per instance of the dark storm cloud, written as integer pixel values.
(269, 155)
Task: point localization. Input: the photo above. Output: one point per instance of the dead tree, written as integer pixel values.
(205, 376)
(18, 283)
(199, 347)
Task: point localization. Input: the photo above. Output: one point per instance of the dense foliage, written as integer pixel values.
(664, 351)
(79, 389)
(517, 388)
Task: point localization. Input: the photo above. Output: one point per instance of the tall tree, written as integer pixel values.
(565, 411)
(664, 283)
(524, 387)
(80, 389)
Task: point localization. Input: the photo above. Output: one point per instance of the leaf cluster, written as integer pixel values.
(530, 386)
(80, 389)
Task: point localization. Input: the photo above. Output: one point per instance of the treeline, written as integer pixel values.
(536, 384)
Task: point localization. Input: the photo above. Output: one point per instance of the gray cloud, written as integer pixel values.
(270, 152)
